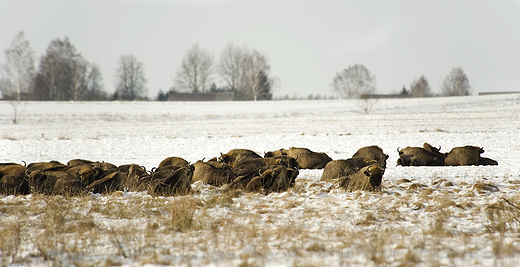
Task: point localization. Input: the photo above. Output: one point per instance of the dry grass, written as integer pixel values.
(400, 226)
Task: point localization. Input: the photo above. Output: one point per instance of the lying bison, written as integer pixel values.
(372, 153)
(343, 167)
(212, 173)
(235, 156)
(167, 181)
(266, 180)
(12, 179)
(251, 165)
(306, 158)
(410, 160)
(421, 156)
(367, 178)
(467, 155)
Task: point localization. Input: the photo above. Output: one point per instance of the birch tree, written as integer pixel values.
(18, 70)
(353, 82)
(456, 83)
(196, 70)
(130, 78)
(420, 88)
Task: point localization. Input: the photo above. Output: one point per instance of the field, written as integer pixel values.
(425, 216)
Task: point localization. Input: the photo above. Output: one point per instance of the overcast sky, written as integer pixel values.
(307, 42)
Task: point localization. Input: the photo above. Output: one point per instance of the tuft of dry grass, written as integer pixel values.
(503, 216)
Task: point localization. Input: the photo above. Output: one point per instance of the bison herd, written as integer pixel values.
(238, 169)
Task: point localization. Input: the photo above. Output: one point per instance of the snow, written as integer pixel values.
(316, 222)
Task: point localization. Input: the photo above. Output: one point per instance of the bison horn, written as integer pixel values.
(24, 163)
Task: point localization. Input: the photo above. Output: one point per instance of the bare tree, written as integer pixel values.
(230, 66)
(18, 68)
(456, 83)
(354, 81)
(130, 78)
(54, 80)
(256, 80)
(420, 88)
(196, 70)
(94, 84)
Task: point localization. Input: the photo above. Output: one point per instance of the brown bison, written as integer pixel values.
(466, 155)
(367, 178)
(487, 161)
(410, 160)
(250, 165)
(54, 182)
(13, 180)
(372, 153)
(212, 173)
(235, 156)
(344, 167)
(174, 161)
(431, 156)
(267, 179)
(167, 181)
(306, 158)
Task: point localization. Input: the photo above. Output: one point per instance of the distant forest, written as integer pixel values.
(63, 74)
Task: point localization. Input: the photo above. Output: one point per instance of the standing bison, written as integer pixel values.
(306, 158)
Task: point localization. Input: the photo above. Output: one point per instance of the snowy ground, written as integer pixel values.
(425, 216)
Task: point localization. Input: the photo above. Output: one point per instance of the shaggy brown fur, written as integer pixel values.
(372, 153)
(343, 167)
(367, 178)
(306, 158)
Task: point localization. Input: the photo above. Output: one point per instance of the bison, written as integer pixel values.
(267, 179)
(306, 158)
(167, 181)
(13, 179)
(212, 173)
(250, 165)
(367, 178)
(372, 153)
(174, 161)
(431, 156)
(344, 167)
(410, 160)
(464, 156)
(54, 182)
(235, 156)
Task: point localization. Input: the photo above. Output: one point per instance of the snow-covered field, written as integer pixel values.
(424, 216)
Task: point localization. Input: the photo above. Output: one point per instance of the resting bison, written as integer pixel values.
(251, 165)
(428, 154)
(167, 181)
(343, 167)
(410, 160)
(467, 155)
(174, 161)
(306, 158)
(212, 173)
(367, 178)
(12, 179)
(372, 153)
(235, 156)
(486, 161)
(54, 182)
(266, 180)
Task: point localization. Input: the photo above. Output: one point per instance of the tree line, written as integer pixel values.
(357, 81)
(63, 74)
